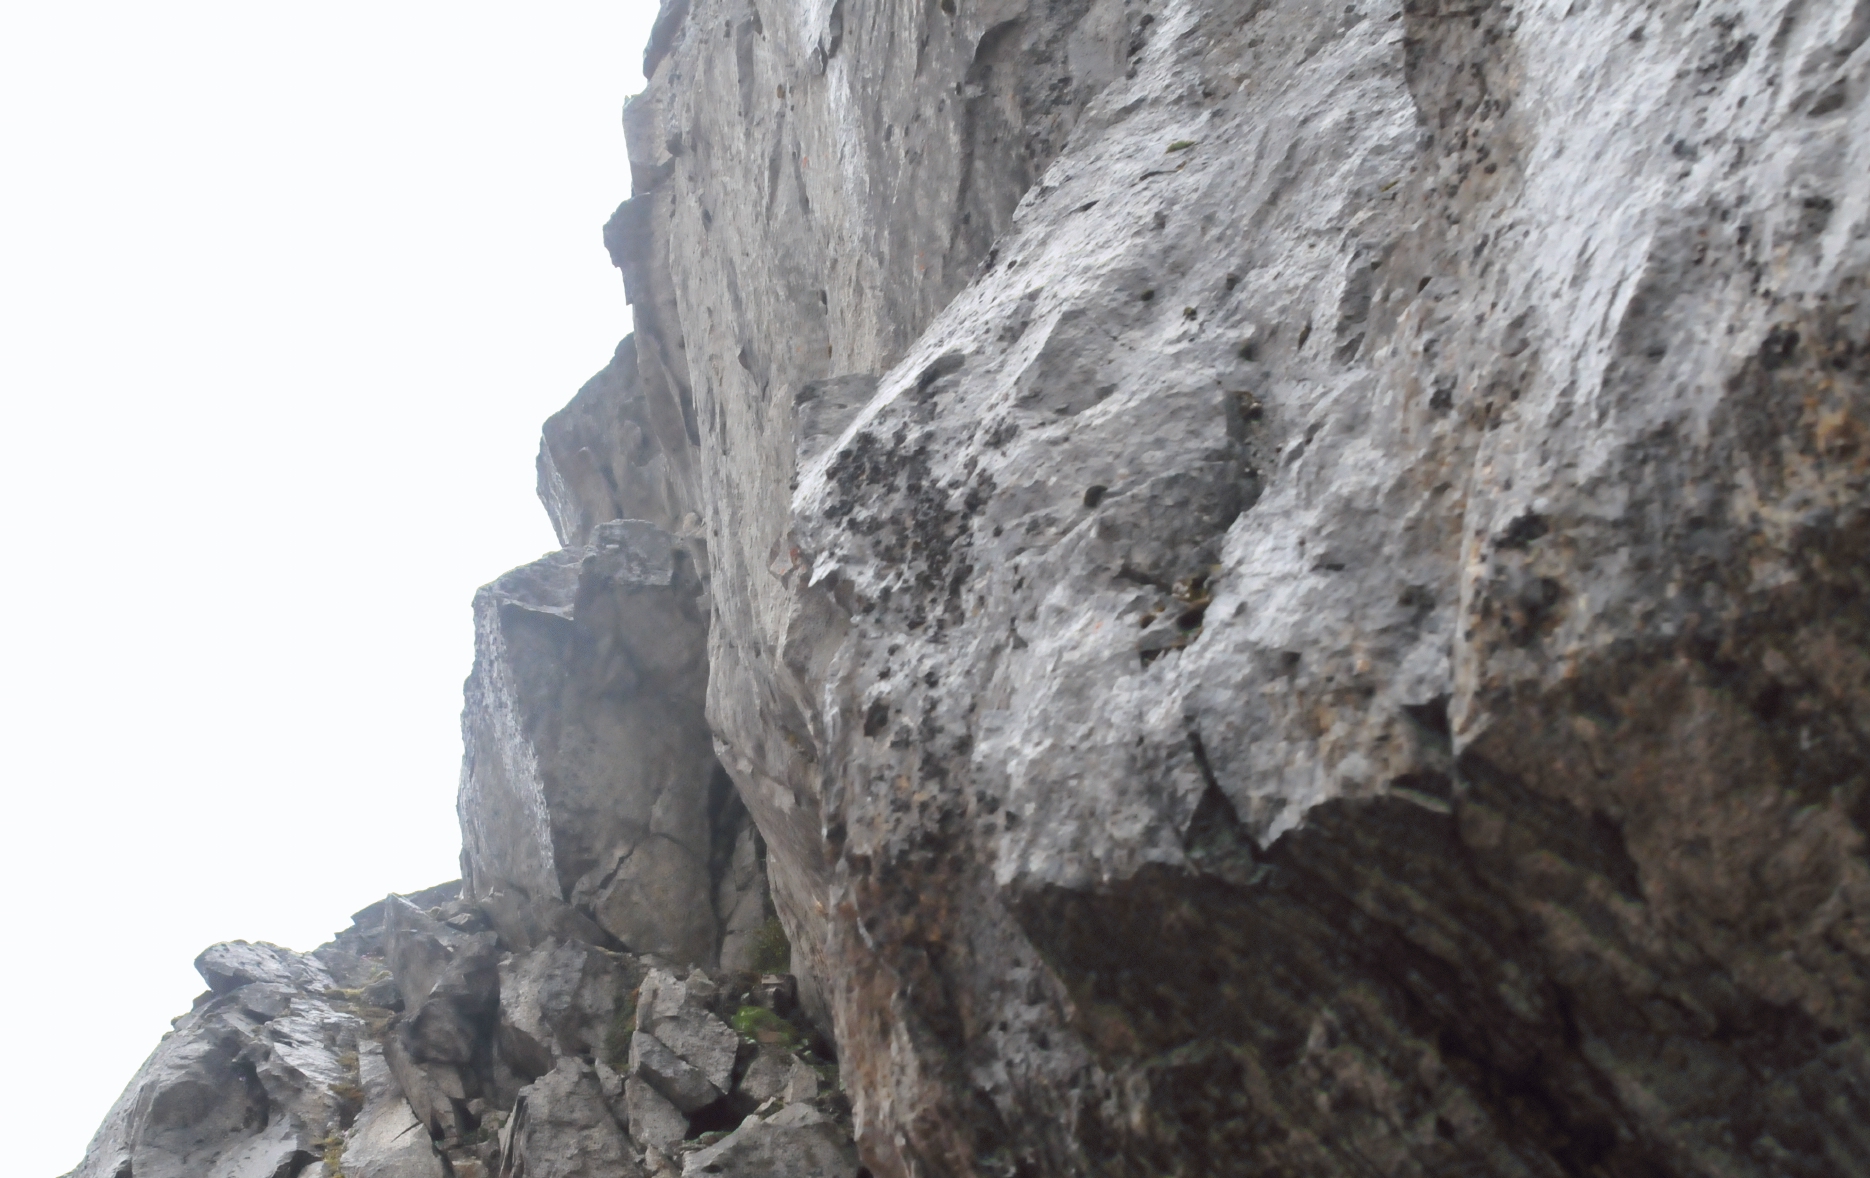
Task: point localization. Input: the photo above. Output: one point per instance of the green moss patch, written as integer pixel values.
(763, 1026)
(772, 953)
(617, 1035)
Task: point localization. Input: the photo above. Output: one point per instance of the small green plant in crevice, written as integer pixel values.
(772, 953)
(349, 1091)
(617, 1035)
(333, 1150)
(763, 1026)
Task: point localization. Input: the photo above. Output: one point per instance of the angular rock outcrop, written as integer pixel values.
(561, 1000)
(256, 1080)
(386, 1140)
(590, 776)
(421, 1044)
(563, 1127)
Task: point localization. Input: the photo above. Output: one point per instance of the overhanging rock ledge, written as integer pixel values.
(1254, 588)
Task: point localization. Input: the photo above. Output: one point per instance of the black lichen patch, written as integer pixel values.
(876, 719)
(915, 526)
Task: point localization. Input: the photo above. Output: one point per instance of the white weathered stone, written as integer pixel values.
(798, 1142)
(655, 1123)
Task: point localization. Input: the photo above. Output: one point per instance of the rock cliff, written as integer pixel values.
(1257, 588)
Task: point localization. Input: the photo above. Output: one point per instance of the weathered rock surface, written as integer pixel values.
(590, 775)
(673, 1010)
(421, 1044)
(1338, 642)
(799, 1140)
(386, 1140)
(250, 1084)
(563, 1128)
(560, 1000)
(655, 1122)
(1282, 589)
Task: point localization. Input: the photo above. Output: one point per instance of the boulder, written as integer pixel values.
(668, 1008)
(562, 1127)
(449, 983)
(232, 964)
(563, 998)
(434, 1093)
(796, 1142)
(767, 1076)
(655, 1123)
(671, 1075)
(589, 774)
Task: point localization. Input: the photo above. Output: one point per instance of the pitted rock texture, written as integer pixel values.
(1337, 643)
(1284, 585)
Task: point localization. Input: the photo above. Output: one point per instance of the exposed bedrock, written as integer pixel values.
(1287, 580)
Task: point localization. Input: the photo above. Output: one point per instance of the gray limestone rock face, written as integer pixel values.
(240, 1089)
(590, 775)
(743, 903)
(798, 1142)
(1336, 644)
(562, 1127)
(805, 202)
(561, 999)
(1283, 585)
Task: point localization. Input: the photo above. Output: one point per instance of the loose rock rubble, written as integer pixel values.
(418, 1044)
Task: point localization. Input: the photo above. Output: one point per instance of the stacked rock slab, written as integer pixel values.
(590, 776)
(1338, 644)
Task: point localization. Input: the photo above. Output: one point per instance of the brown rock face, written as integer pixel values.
(1288, 582)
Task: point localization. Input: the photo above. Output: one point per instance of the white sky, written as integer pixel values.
(285, 292)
